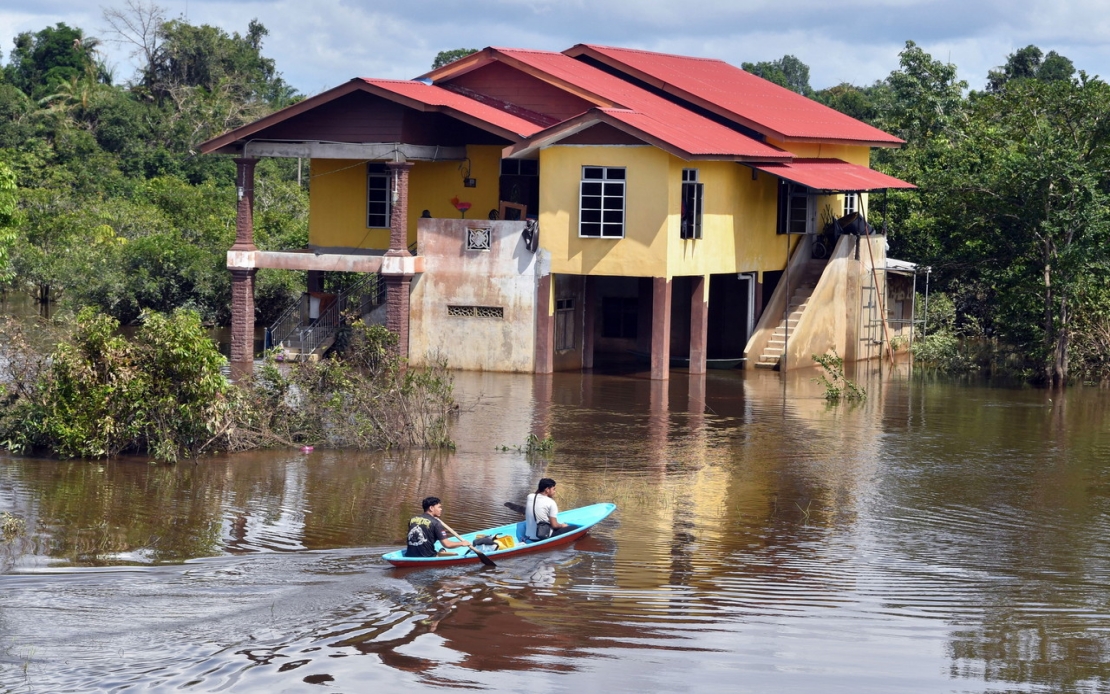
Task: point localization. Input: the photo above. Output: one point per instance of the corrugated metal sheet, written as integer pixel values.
(832, 174)
(655, 116)
(763, 105)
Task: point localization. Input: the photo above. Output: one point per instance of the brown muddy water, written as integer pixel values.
(939, 537)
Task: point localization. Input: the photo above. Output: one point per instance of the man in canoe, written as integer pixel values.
(541, 513)
(426, 528)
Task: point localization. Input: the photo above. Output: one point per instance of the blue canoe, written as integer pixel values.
(585, 518)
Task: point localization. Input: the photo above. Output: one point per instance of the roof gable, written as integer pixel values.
(418, 96)
(619, 103)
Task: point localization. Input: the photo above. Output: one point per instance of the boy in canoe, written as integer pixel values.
(541, 513)
(425, 529)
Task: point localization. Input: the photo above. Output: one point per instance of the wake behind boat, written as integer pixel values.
(585, 518)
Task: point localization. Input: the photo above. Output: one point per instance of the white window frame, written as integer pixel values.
(851, 203)
(609, 182)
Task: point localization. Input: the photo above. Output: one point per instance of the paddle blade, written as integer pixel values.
(485, 560)
(514, 507)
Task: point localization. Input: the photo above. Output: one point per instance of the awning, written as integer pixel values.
(832, 175)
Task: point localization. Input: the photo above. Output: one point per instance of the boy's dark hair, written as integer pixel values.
(545, 484)
(429, 502)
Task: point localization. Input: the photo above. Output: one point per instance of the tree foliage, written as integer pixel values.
(113, 207)
(788, 71)
(444, 57)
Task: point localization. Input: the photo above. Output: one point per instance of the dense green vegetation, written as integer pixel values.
(114, 208)
(1013, 211)
(94, 393)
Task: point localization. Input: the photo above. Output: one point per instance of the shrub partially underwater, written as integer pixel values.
(94, 393)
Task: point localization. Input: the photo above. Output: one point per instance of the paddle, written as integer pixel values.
(481, 557)
(514, 507)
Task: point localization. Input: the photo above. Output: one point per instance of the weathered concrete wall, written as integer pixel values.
(831, 319)
(503, 277)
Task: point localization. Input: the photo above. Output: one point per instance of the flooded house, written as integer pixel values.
(535, 211)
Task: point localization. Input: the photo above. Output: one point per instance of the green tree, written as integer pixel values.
(444, 57)
(1030, 63)
(788, 71)
(9, 215)
(1029, 192)
(42, 61)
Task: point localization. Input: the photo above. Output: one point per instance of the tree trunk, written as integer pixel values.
(1049, 333)
(1060, 356)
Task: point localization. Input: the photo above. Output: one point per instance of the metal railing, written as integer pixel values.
(293, 331)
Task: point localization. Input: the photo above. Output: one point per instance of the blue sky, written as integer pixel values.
(320, 43)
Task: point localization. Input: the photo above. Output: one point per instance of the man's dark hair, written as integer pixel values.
(545, 484)
(429, 502)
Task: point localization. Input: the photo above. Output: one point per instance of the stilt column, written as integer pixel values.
(242, 318)
(397, 266)
(660, 328)
(545, 326)
(699, 324)
(242, 279)
(589, 298)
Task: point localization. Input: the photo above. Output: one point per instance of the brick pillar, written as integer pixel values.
(699, 324)
(397, 309)
(242, 279)
(660, 328)
(242, 319)
(397, 277)
(545, 327)
(399, 218)
(244, 214)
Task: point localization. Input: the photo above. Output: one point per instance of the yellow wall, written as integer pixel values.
(337, 202)
(643, 250)
(738, 218)
(738, 221)
(853, 154)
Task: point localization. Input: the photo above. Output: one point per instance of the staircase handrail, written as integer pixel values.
(290, 330)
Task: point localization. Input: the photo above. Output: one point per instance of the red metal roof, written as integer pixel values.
(739, 95)
(832, 174)
(688, 133)
(431, 95)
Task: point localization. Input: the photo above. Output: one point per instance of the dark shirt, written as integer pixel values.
(424, 530)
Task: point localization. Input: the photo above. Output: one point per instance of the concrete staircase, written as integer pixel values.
(776, 345)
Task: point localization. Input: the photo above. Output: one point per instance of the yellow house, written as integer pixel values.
(537, 211)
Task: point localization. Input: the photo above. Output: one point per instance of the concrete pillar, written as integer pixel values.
(660, 328)
(397, 277)
(699, 324)
(242, 279)
(545, 326)
(589, 299)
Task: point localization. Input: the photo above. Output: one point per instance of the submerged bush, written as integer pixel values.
(97, 394)
(363, 398)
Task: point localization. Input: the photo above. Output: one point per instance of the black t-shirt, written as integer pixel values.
(424, 530)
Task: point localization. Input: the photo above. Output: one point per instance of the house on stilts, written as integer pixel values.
(534, 211)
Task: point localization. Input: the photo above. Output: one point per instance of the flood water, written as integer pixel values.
(938, 537)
